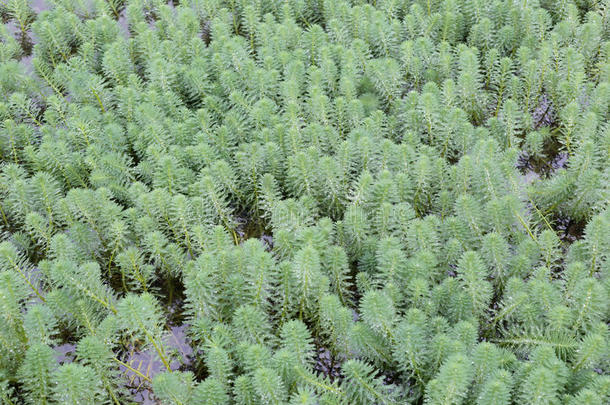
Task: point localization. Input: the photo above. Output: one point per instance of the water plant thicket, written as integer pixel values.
(340, 201)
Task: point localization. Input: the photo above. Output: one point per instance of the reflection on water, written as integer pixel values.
(123, 24)
(12, 27)
(65, 353)
(147, 363)
(39, 5)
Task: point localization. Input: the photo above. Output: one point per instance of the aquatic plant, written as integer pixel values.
(339, 201)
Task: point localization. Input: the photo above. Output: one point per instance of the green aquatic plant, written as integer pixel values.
(338, 201)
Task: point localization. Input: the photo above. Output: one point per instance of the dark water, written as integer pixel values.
(327, 365)
(568, 229)
(544, 114)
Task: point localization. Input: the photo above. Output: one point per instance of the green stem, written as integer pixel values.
(133, 370)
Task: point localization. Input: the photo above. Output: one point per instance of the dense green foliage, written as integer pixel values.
(340, 201)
